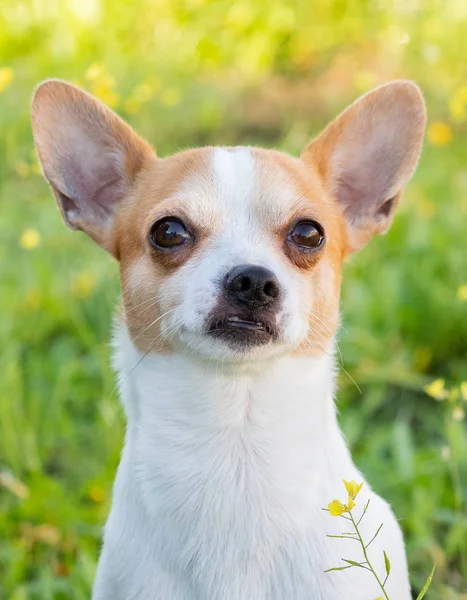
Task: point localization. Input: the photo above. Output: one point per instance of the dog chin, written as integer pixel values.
(232, 345)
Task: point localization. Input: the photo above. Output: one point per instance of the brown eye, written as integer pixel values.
(169, 233)
(306, 235)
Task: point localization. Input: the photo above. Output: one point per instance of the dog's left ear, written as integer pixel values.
(90, 157)
(367, 155)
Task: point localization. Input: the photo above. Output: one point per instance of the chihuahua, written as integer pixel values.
(231, 262)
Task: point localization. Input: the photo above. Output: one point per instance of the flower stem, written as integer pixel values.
(370, 566)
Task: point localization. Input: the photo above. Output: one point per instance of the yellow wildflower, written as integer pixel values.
(436, 390)
(364, 80)
(102, 85)
(6, 77)
(94, 71)
(336, 508)
(30, 239)
(105, 92)
(464, 391)
(462, 292)
(84, 284)
(458, 413)
(439, 133)
(352, 488)
(458, 104)
(97, 494)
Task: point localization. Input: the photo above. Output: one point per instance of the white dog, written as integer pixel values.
(231, 263)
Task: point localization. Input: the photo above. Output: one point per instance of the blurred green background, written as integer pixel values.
(191, 72)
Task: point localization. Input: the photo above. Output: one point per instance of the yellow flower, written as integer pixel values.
(6, 77)
(336, 508)
(462, 292)
(94, 71)
(364, 80)
(439, 133)
(458, 104)
(458, 413)
(102, 85)
(105, 92)
(436, 390)
(97, 494)
(352, 488)
(84, 284)
(30, 239)
(464, 391)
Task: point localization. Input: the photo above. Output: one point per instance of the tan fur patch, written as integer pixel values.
(325, 267)
(143, 271)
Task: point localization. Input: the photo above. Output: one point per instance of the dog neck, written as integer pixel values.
(282, 408)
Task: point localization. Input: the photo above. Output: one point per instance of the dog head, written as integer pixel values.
(229, 253)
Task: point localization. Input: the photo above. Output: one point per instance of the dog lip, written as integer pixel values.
(236, 322)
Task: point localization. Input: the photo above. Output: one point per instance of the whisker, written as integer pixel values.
(153, 343)
(154, 322)
(133, 308)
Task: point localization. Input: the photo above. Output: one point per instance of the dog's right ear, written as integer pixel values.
(89, 156)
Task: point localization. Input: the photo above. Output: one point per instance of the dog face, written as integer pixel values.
(229, 253)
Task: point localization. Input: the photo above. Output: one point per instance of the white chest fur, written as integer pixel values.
(220, 490)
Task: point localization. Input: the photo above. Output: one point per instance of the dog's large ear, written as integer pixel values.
(89, 156)
(368, 154)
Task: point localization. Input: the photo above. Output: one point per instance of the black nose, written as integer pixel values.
(253, 286)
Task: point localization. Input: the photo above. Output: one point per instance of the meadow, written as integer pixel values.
(191, 72)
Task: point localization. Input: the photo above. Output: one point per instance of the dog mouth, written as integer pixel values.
(243, 331)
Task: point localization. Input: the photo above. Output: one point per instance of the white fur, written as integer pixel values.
(242, 212)
(222, 481)
(228, 463)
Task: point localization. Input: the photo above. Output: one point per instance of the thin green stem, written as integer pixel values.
(364, 513)
(366, 557)
(375, 536)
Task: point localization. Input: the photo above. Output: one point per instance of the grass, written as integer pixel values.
(404, 319)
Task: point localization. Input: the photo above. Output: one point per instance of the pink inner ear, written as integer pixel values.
(90, 188)
(89, 155)
(369, 153)
(368, 167)
(365, 187)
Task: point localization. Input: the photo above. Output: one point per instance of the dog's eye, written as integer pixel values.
(169, 233)
(306, 235)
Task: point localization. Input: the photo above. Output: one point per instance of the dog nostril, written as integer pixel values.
(271, 289)
(252, 285)
(244, 284)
